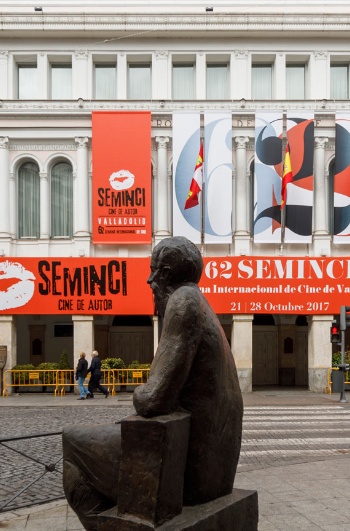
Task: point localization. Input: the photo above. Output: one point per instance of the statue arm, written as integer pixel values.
(174, 357)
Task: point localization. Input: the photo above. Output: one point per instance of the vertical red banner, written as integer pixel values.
(121, 177)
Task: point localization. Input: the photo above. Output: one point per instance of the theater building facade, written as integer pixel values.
(111, 116)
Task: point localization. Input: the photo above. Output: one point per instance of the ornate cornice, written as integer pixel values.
(160, 23)
(81, 107)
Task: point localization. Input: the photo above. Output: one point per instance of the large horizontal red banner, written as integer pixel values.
(75, 286)
(272, 285)
(121, 177)
(237, 285)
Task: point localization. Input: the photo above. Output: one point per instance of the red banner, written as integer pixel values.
(237, 285)
(271, 285)
(75, 286)
(121, 177)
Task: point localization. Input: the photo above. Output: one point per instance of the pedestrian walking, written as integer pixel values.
(95, 370)
(80, 375)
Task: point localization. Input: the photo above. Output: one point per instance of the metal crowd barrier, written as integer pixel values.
(61, 381)
(328, 389)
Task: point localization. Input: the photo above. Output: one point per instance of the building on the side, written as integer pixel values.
(61, 62)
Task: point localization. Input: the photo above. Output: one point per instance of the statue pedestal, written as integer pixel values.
(237, 511)
(151, 478)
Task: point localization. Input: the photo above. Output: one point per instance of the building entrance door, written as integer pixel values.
(131, 345)
(265, 356)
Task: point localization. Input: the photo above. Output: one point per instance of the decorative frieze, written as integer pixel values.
(263, 22)
(42, 147)
(167, 106)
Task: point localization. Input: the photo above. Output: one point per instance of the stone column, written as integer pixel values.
(8, 339)
(242, 349)
(4, 187)
(321, 235)
(162, 228)
(81, 189)
(44, 206)
(241, 185)
(83, 334)
(320, 201)
(320, 352)
(241, 234)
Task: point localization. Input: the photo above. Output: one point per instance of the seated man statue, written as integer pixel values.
(193, 370)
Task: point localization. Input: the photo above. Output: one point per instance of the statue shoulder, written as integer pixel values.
(185, 298)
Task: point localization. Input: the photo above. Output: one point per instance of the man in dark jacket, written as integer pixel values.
(80, 375)
(95, 370)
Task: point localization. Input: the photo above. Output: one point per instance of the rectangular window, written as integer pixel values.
(217, 82)
(139, 81)
(295, 82)
(262, 82)
(27, 82)
(183, 82)
(61, 81)
(105, 82)
(339, 82)
(63, 330)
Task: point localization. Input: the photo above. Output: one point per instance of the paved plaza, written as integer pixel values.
(295, 453)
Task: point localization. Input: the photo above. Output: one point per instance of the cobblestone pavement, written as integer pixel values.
(23, 462)
(295, 451)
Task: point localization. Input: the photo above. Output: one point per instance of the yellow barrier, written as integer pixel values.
(328, 389)
(61, 380)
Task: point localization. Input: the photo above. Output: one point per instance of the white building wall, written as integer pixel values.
(41, 130)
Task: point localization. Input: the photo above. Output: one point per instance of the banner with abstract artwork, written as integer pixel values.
(299, 200)
(187, 220)
(267, 177)
(342, 179)
(218, 177)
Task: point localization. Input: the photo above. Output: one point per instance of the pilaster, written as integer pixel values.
(44, 206)
(321, 235)
(320, 352)
(162, 228)
(81, 190)
(83, 336)
(242, 349)
(80, 74)
(4, 68)
(5, 188)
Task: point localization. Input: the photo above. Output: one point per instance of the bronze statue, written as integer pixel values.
(193, 371)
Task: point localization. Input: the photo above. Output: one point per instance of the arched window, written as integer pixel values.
(61, 200)
(28, 201)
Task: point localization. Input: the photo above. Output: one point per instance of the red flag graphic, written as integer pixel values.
(287, 176)
(197, 181)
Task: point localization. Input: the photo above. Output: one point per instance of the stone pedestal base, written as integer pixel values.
(237, 511)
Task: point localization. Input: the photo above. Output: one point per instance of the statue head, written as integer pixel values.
(175, 262)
